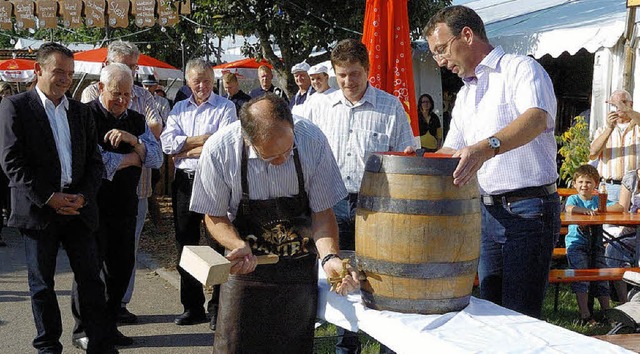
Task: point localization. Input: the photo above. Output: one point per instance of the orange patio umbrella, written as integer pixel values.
(386, 35)
(17, 70)
(91, 62)
(246, 68)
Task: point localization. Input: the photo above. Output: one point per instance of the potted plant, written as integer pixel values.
(574, 149)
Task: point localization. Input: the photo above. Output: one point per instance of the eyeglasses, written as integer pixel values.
(269, 159)
(444, 49)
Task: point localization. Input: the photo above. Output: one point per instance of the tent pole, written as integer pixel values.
(84, 75)
(629, 53)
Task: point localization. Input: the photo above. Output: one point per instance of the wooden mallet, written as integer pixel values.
(210, 267)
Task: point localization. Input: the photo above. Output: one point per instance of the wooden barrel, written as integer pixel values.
(417, 235)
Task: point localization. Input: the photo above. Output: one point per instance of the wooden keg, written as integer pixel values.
(417, 235)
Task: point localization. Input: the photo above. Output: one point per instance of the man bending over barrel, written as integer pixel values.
(267, 184)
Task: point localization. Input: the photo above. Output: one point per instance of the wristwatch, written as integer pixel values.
(494, 143)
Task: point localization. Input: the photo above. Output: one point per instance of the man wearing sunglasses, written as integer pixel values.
(502, 131)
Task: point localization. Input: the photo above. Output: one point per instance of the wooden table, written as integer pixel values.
(624, 219)
(627, 341)
(565, 192)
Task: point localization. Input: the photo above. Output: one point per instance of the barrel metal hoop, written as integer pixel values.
(419, 207)
(433, 270)
(411, 165)
(421, 306)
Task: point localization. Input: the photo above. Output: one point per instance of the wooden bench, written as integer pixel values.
(575, 275)
(557, 276)
(559, 252)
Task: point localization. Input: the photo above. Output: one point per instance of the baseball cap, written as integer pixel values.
(318, 69)
(300, 67)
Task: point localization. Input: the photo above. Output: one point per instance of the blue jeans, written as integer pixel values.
(579, 257)
(515, 252)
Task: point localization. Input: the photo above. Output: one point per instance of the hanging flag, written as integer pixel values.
(6, 9)
(24, 14)
(94, 12)
(386, 35)
(47, 11)
(118, 11)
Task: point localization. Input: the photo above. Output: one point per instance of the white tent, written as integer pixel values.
(552, 27)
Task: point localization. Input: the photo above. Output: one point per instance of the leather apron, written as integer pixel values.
(272, 309)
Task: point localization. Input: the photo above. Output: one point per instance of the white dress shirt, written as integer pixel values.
(57, 116)
(506, 86)
(217, 188)
(187, 119)
(376, 123)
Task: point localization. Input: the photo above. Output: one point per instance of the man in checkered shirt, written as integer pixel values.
(358, 120)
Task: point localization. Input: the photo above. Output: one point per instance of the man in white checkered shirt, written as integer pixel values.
(502, 128)
(358, 120)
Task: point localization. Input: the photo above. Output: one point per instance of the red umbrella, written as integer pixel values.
(17, 70)
(244, 68)
(91, 62)
(386, 35)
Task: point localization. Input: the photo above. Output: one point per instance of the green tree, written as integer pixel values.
(295, 26)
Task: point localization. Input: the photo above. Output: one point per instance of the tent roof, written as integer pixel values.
(551, 26)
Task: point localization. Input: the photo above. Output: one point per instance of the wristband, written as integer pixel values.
(327, 258)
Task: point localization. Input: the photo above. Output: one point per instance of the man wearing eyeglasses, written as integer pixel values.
(189, 125)
(502, 131)
(267, 185)
(615, 145)
(142, 102)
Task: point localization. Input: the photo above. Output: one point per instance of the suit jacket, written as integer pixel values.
(29, 157)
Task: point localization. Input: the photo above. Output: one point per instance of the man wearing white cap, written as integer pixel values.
(303, 81)
(319, 76)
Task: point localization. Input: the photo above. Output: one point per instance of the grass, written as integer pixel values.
(158, 240)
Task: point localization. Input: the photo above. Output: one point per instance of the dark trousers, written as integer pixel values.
(41, 248)
(345, 210)
(116, 252)
(187, 224)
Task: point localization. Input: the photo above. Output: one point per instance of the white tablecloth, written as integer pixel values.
(482, 327)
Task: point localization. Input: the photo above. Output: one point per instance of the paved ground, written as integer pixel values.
(155, 300)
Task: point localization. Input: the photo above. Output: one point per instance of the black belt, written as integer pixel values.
(613, 181)
(185, 173)
(519, 194)
(352, 197)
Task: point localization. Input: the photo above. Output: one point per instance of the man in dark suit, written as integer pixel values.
(50, 155)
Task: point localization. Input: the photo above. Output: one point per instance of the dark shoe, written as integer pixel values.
(125, 316)
(212, 323)
(81, 343)
(190, 318)
(120, 339)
